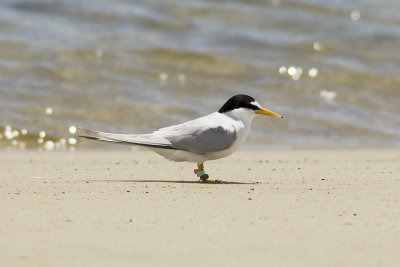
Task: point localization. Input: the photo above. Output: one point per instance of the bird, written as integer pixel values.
(210, 137)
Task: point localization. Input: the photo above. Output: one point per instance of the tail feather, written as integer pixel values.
(148, 140)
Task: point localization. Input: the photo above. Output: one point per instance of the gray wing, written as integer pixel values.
(202, 141)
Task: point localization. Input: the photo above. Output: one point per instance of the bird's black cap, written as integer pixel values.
(238, 101)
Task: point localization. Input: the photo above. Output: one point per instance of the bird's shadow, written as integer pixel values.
(170, 181)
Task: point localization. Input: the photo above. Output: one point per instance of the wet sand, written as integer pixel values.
(295, 208)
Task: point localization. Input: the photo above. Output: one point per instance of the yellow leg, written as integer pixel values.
(200, 167)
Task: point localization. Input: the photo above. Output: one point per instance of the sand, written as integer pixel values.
(290, 208)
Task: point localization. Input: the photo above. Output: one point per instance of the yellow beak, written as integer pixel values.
(264, 111)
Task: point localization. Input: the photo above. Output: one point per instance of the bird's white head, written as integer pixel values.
(245, 108)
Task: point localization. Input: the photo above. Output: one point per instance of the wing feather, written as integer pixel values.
(148, 140)
(208, 134)
(201, 136)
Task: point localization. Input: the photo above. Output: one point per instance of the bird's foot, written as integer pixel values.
(204, 177)
(206, 181)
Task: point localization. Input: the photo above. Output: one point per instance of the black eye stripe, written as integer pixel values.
(251, 106)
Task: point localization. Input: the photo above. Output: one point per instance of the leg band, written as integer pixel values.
(201, 173)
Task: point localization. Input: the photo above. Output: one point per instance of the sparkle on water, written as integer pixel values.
(317, 46)
(355, 15)
(313, 72)
(49, 145)
(282, 70)
(328, 96)
(72, 130)
(49, 111)
(292, 71)
(163, 77)
(22, 139)
(72, 141)
(296, 72)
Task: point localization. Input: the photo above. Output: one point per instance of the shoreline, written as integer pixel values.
(280, 208)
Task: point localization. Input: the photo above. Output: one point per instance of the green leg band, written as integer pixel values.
(201, 173)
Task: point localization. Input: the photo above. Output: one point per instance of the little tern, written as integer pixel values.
(211, 137)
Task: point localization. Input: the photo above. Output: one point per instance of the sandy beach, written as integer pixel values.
(286, 208)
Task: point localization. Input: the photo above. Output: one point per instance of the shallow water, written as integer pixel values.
(330, 67)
